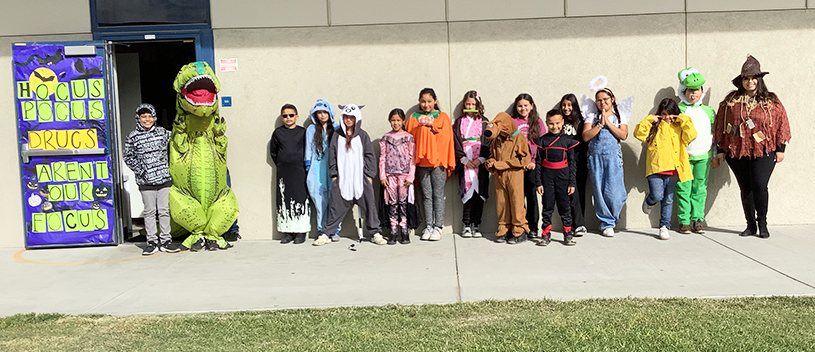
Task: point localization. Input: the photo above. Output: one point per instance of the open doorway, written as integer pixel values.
(145, 71)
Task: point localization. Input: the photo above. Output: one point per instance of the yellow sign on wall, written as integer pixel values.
(63, 139)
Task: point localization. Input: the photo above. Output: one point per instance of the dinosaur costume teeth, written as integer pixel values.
(200, 91)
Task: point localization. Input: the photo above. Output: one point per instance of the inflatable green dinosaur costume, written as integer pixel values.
(200, 200)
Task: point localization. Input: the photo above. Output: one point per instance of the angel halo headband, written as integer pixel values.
(598, 83)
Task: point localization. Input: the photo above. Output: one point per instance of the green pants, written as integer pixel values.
(691, 195)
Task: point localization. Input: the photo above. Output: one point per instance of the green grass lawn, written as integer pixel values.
(745, 324)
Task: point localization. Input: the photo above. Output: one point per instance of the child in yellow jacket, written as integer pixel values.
(667, 135)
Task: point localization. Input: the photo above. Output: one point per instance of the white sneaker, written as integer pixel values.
(580, 231)
(467, 233)
(426, 233)
(378, 239)
(645, 207)
(476, 232)
(435, 234)
(609, 232)
(322, 240)
(663, 233)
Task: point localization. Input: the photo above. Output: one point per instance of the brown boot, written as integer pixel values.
(684, 228)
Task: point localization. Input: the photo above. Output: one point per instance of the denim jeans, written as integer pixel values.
(661, 189)
(605, 159)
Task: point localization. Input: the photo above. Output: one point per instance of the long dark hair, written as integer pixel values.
(667, 105)
(613, 103)
(576, 118)
(432, 94)
(478, 105)
(318, 133)
(763, 95)
(533, 120)
(349, 132)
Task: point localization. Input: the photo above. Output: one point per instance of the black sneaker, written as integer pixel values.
(501, 239)
(232, 236)
(545, 239)
(152, 247)
(517, 239)
(211, 245)
(169, 247)
(532, 234)
(568, 240)
(287, 238)
(301, 237)
(228, 246)
(198, 245)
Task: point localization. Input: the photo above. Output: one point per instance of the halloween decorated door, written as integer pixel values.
(64, 128)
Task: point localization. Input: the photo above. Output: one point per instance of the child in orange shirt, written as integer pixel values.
(435, 158)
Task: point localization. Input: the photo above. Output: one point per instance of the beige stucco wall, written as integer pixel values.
(47, 17)
(384, 66)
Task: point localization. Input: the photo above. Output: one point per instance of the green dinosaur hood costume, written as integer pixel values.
(691, 195)
(200, 200)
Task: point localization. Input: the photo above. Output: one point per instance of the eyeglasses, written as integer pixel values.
(288, 115)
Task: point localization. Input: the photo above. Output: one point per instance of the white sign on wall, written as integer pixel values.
(229, 65)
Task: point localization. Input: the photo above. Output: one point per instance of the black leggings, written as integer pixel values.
(578, 198)
(471, 216)
(531, 195)
(753, 175)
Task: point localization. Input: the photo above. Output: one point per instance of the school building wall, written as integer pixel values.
(381, 53)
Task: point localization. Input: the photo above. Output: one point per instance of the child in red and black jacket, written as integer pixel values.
(555, 176)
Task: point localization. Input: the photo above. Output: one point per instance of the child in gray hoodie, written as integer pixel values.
(146, 154)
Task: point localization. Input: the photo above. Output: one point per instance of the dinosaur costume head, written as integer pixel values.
(197, 89)
(501, 125)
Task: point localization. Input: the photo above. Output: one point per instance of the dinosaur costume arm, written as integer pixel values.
(219, 135)
(179, 135)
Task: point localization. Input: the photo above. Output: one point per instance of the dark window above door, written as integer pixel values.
(113, 13)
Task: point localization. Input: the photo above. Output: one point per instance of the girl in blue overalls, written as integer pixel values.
(604, 129)
(318, 183)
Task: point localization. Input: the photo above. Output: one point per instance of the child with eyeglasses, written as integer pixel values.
(604, 127)
(287, 149)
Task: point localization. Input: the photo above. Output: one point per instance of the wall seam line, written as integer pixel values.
(328, 12)
(686, 33)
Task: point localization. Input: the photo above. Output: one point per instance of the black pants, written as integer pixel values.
(471, 216)
(753, 175)
(578, 198)
(556, 191)
(531, 195)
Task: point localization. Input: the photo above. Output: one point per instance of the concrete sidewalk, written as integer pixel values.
(259, 275)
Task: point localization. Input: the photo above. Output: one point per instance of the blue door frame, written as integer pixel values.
(200, 33)
(201, 37)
